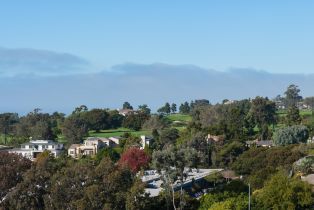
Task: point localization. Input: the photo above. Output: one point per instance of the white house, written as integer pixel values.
(115, 139)
(125, 112)
(35, 147)
(145, 141)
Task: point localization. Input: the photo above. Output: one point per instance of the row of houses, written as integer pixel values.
(89, 147)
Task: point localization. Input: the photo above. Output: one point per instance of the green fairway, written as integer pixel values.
(306, 112)
(118, 132)
(180, 117)
(283, 113)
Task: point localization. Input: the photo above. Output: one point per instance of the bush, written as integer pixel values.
(291, 135)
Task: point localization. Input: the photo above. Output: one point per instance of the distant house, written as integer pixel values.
(91, 146)
(145, 141)
(5, 148)
(301, 105)
(115, 139)
(126, 112)
(228, 102)
(280, 105)
(260, 143)
(35, 147)
(74, 151)
(214, 139)
(310, 140)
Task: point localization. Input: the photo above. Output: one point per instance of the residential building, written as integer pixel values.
(115, 139)
(214, 139)
(126, 112)
(35, 147)
(260, 143)
(310, 140)
(91, 146)
(4, 148)
(154, 181)
(145, 141)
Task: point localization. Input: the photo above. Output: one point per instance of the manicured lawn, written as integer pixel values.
(180, 117)
(283, 113)
(311, 152)
(306, 113)
(117, 132)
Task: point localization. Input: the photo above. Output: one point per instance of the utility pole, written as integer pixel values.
(249, 197)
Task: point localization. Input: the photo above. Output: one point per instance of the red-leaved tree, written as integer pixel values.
(134, 158)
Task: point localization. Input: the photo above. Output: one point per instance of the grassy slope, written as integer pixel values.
(120, 131)
(282, 113)
(180, 117)
(117, 132)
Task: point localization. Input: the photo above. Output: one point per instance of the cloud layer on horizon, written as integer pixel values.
(152, 84)
(26, 61)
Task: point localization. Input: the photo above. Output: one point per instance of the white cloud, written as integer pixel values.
(24, 61)
(152, 84)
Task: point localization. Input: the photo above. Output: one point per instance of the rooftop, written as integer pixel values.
(152, 178)
(74, 146)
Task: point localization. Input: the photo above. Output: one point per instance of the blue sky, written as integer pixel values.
(59, 54)
(275, 36)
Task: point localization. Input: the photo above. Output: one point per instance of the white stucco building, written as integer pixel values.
(145, 141)
(35, 147)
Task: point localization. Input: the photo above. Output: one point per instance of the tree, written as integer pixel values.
(82, 108)
(173, 108)
(97, 119)
(127, 105)
(36, 125)
(107, 152)
(224, 201)
(293, 116)
(228, 153)
(144, 108)
(173, 161)
(57, 120)
(304, 165)
(64, 183)
(229, 120)
(292, 96)
(137, 198)
(258, 164)
(263, 112)
(74, 129)
(167, 137)
(281, 192)
(166, 109)
(115, 119)
(135, 121)
(199, 103)
(7, 122)
(68, 186)
(184, 108)
(135, 159)
(291, 135)
(12, 167)
(158, 122)
(31, 192)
